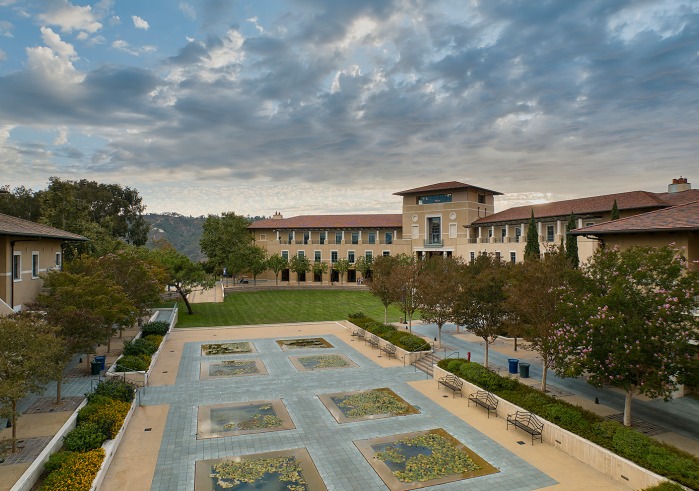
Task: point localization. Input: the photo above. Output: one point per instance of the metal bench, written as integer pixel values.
(451, 382)
(373, 340)
(389, 349)
(484, 399)
(528, 422)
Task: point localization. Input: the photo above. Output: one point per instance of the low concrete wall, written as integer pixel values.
(605, 461)
(408, 357)
(110, 447)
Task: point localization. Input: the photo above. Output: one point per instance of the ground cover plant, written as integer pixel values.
(323, 361)
(233, 367)
(229, 473)
(225, 348)
(664, 459)
(371, 403)
(318, 343)
(402, 339)
(280, 306)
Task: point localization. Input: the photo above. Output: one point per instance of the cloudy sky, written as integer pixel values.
(328, 106)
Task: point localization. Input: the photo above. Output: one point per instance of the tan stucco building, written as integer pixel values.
(27, 249)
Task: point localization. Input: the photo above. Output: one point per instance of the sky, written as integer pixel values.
(328, 106)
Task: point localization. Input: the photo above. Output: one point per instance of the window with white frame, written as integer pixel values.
(35, 264)
(513, 257)
(316, 256)
(472, 256)
(301, 253)
(285, 255)
(321, 236)
(371, 237)
(350, 257)
(291, 238)
(263, 236)
(386, 253)
(17, 266)
(498, 257)
(333, 256)
(452, 231)
(338, 237)
(58, 260)
(369, 256)
(549, 233)
(355, 237)
(389, 238)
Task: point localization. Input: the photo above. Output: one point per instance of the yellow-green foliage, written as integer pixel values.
(108, 417)
(76, 473)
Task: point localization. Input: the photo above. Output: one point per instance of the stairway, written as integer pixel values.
(425, 363)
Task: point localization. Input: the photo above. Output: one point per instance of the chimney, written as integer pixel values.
(277, 216)
(679, 185)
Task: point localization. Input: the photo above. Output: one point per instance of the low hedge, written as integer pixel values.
(84, 437)
(133, 363)
(140, 346)
(159, 328)
(402, 339)
(108, 417)
(658, 457)
(76, 472)
(113, 389)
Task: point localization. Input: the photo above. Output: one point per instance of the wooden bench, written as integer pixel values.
(528, 422)
(373, 340)
(389, 349)
(451, 382)
(484, 399)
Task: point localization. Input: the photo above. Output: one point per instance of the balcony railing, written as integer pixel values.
(434, 243)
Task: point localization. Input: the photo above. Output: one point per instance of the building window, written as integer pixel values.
(452, 231)
(518, 234)
(338, 237)
(301, 253)
(369, 256)
(386, 253)
(333, 256)
(285, 255)
(263, 236)
(389, 238)
(588, 224)
(513, 257)
(481, 198)
(291, 238)
(316, 256)
(434, 225)
(35, 264)
(58, 260)
(490, 233)
(306, 236)
(17, 267)
(549, 233)
(322, 237)
(355, 237)
(436, 198)
(472, 256)
(350, 257)
(503, 232)
(372, 238)
(498, 257)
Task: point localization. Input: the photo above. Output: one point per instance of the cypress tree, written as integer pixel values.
(615, 211)
(531, 250)
(572, 242)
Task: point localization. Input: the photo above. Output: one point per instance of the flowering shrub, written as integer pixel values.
(108, 417)
(77, 472)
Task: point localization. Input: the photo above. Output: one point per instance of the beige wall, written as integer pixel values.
(29, 284)
(687, 241)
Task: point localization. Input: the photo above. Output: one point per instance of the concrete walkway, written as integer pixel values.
(160, 446)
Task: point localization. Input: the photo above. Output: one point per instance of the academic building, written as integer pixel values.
(458, 219)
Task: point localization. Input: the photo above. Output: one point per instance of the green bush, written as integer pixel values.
(114, 389)
(159, 328)
(133, 363)
(83, 438)
(108, 417)
(404, 340)
(77, 472)
(140, 347)
(154, 338)
(57, 460)
(665, 486)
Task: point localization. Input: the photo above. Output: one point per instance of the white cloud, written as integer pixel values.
(139, 23)
(6, 29)
(122, 45)
(114, 20)
(71, 17)
(188, 10)
(253, 21)
(61, 136)
(3, 55)
(61, 48)
(44, 62)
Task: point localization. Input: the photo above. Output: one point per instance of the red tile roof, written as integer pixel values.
(14, 226)
(676, 218)
(633, 200)
(444, 186)
(331, 222)
(681, 198)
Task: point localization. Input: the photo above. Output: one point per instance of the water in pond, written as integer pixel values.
(405, 451)
(268, 482)
(244, 418)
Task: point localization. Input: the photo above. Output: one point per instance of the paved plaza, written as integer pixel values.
(160, 448)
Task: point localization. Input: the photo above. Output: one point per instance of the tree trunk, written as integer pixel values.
(109, 343)
(544, 368)
(184, 299)
(486, 353)
(515, 343)
(627, 407)
(439, 335)
(13, 417)
(276, 278)
(385, 314)
(59, 383)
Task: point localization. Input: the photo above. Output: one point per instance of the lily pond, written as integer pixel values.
(233, 367)
(226, 348)
(368, 404)
(243, 418)
(317, 343)
(323, 361)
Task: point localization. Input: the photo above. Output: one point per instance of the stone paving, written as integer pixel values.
(330, 444)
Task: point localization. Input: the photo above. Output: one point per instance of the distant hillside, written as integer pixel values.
(180, 231)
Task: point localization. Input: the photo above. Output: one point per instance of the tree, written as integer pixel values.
(299, 265)
(252, 259)
(572, 243)
(631, 324)
(481, 308)
(531, 249)
(534, 297)
(277, 264)
(26, 342)
(615, 211)
(319, 268)
(21, 203)
(182, 273)
(363, 266)
(404, 277)
(223, 237)
(381, 284)
(342, 266)
(438, 290)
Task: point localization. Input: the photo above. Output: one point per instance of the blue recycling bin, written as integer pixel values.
(513, 362)
(101, 360)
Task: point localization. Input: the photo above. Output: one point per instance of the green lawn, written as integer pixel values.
(278, 306)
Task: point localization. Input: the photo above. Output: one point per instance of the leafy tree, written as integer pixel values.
(572, 243)
(481, 308)
(26, 343)
(404, 276)
(277, 264)
(21, 203)
(319, 268)
(631, 325)
(342, 266)
(534, 296)
(382, 285)
(438, 290)
(363, 265)
(531, 249)
(182, 273)
(248, 259)
(223, 237)
(615, 211)
(299, 265)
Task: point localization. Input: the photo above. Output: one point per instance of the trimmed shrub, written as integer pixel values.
(107, 417)
(665, 486)
(56, 460)
(77, 472)
(83, 438)
(154, 338)
(114, 389)
(159, 328)
(140, 347)
(404, 340)
(133, 363)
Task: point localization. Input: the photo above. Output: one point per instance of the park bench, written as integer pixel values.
(389, 349)
(373, 340)
(359, 332)
(484, 399)
(528, 422)
(451, 382)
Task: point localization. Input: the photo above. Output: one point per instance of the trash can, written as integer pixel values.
(94, 367)
(513, 365)
(101, 360)
(524, 370)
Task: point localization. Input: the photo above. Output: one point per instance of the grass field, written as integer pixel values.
(279, 306)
